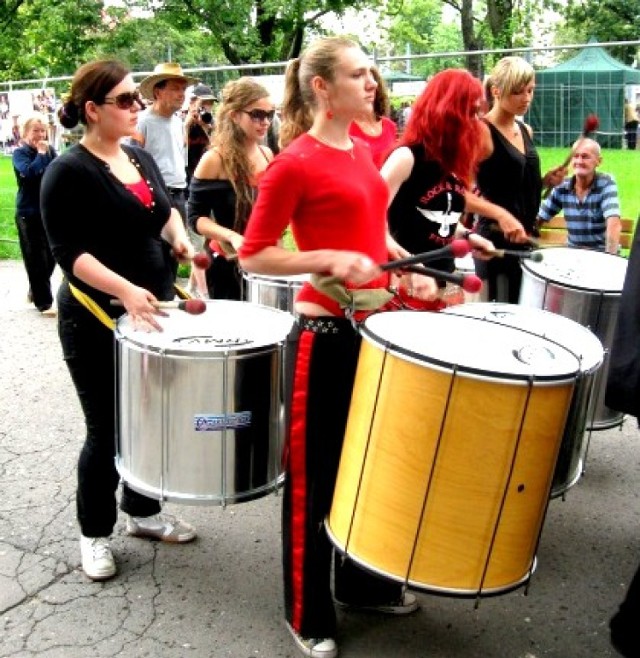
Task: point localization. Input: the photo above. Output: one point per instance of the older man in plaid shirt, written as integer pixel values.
(589, 201)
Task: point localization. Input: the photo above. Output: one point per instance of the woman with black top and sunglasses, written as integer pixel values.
(107, 213)
(224, 184)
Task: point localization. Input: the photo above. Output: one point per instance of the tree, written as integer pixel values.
(419, 27)
(37, 40)
(607, 20)
(251, 31)
(143, 42)
(497, 24)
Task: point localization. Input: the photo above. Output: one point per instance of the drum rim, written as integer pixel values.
(127, 335)
(533, 268)
(468, 371)
(594, 367)
(280, 281)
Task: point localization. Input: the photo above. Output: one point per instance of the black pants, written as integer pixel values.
(625, 634)
(322, 382)
(37, 257)
(88, 349)
(631, 134)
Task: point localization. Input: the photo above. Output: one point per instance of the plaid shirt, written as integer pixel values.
(587, 219)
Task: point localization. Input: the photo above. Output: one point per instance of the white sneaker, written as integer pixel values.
(314, 647)
(97, 558)
(161, 526)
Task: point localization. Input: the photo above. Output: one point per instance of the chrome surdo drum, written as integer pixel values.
(200, 404)
(587, 348)
(275, 291)
(585, 286)
(449, 452)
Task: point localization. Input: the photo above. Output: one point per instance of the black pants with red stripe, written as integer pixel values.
(321, 382)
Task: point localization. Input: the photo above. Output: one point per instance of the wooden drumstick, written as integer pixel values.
(456, 249)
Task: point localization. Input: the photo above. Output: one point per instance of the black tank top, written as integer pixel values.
(511, 179)
(426, 209)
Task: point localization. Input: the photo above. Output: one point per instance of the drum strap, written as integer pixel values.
(95, 309)
(359, 299)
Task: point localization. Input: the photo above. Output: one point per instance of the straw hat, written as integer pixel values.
(164, 71)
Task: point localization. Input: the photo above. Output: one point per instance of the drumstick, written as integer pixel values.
(191, 306)
(535, 256)
(532, 242)
(468, 282)
(202, 260)
(455, 249)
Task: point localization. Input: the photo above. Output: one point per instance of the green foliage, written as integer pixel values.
(607, 20)
(143, 42)
(38, 41)
(421, 28)
(8, 234)
(251, 31)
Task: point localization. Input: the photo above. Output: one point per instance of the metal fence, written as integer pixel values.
(561, 102)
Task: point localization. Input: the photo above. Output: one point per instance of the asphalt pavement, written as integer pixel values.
(221, 595)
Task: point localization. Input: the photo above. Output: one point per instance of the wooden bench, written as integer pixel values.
(554, 234)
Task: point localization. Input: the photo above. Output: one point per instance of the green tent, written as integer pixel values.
(590, 82)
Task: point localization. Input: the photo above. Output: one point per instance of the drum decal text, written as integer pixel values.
(213, 341)
(220, 422)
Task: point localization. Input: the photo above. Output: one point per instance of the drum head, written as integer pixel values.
(557, 328)
(581, 269)
(470, 345)
(225, 326)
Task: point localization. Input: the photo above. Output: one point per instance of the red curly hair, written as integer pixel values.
(444, 119)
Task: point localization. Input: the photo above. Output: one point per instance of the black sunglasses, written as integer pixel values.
(125, 100)
(260, 115)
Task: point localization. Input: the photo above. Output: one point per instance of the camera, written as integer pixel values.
(205, 116)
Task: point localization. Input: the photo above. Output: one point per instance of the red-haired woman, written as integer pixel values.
(430, 172)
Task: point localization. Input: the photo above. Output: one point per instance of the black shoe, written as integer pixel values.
(623, 639)
(404, 606)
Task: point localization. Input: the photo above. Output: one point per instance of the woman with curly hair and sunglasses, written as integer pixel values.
(224, 184)
(108, 214)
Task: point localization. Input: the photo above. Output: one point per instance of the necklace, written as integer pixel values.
(338, 147)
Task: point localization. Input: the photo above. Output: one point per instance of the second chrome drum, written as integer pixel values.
(449, 451)
(584, 286)
(587, 348)
(200, 404)
(274, 291)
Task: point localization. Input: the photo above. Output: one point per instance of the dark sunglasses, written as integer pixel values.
(125, 100)
(260, 115)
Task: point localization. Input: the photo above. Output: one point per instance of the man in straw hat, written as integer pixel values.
(160, 132)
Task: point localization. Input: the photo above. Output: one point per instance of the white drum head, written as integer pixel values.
(581, 269)
(557, 328)
(473, 346)
(225, 325)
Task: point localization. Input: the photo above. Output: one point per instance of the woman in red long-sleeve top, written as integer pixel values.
(326, 186)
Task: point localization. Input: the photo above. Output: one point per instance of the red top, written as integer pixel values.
(333, 199)
(142, 191)
(381, 144)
